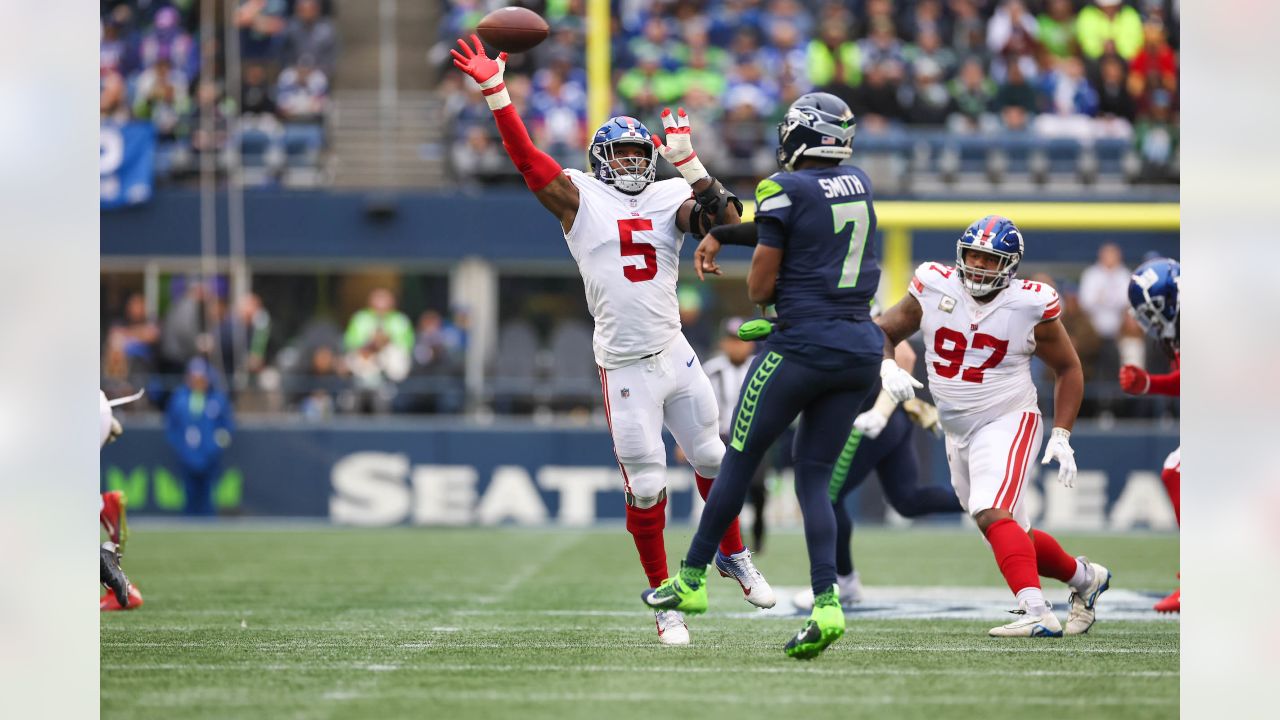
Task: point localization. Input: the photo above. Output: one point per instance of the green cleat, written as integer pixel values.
(686, 592)
(825, 626)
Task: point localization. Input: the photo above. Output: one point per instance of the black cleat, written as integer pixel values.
(111, 575)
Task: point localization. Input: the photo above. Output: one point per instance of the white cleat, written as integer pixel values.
(850, 587)
(1082, 613)
(1028, 625)
(755, 588)
(671, 627)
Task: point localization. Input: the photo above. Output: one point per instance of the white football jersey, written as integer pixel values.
(628, 250)
(979, 354)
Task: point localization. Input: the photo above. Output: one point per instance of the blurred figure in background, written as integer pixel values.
(198, 426)
(310, 33)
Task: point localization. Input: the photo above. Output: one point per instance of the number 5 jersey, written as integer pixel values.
(978, 355)
(628, 251)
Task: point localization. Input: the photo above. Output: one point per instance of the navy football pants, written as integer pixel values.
(777, 390)
(893, 458)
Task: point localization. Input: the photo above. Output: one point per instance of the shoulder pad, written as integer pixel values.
(1039, 298)
(930, 274)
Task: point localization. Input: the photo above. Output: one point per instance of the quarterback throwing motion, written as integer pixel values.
(981, 326)
(624, 229)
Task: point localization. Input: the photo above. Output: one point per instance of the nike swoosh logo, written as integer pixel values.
(690, 363)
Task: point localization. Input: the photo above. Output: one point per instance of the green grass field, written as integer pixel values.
(309, 622)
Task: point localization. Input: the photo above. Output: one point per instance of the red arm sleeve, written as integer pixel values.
(1165, 384)
(537, 167)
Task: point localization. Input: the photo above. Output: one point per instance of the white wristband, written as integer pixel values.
(693, 170)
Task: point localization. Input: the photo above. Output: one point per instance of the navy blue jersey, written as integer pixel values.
(824, 222)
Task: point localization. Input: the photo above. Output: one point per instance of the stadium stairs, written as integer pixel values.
(404, 153)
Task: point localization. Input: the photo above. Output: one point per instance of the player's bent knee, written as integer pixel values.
(707, 456)
(647, 484)
(988, 517)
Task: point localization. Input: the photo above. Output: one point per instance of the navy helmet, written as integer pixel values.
(816, 125)
(632, 174)
(1153, 296)
(996, 236)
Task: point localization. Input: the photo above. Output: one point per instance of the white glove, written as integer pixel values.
(677, 147)
(870, 424)
(1059, 448)
(115, 432)
(897, 382)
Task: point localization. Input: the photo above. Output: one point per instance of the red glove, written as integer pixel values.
(1134, 380)
(487, 72)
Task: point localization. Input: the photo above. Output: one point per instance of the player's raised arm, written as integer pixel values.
(1054, 347)
(712, 204)
(541, 172)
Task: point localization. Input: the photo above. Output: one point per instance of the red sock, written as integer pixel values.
(1051, 560)
(646, 528)
(1014, 553)
(731, 543)
(1172, 478)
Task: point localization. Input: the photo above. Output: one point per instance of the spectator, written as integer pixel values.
(832, 58)
(1015, 91)
(249, 328)
(968, 29)
(749, 84)
(138, 332)
(180, 334)
(698, 75)
(479, 157)
(929, 47)
(743, 131)
(1104, 288)
(376, 367)
(1069, 102)
(310, 33)
(647, 87)
(882, 46)
(1109, 23)
(929, 104)
(262, 25)
(210, 93)
(257, 96)
(926, 17)
(115, 52)
(1012, 31)
(973, 95)
(323, 385)
(1156, 62)
(162, 98)
(167, 40)
(875, 102)
(303, 92)
(786, 12)
(198, 426)
(1114, 101)
(655, 42)
(1080, 328)
(1056, 28)
(785, 57)
(380, 315)
(113, 105)
(558, 122)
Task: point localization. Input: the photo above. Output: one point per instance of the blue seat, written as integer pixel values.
(254, 145)
(1064, 156)
(973, 154)
(1111, 153)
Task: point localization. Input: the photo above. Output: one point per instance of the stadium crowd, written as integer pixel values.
(150, 70)
(383, 357)
(1083, 70)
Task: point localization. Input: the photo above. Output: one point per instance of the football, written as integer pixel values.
(513, 29)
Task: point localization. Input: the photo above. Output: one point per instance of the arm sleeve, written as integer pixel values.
(1168, 384)
(537, 167)
(745, 234)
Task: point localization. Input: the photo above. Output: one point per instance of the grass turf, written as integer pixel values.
(327, 623)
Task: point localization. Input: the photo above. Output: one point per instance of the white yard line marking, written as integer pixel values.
(1042, 646)
(513, 583)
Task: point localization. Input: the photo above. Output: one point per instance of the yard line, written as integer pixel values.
(555, 549)
(614, 669)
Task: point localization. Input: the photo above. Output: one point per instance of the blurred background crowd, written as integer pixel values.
(273, 106)
(1080, 91)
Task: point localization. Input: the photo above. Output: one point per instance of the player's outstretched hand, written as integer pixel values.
(483, 69)
(677, 146)
(704, 258)
(1134, 380)
(870, 424)
(899, 383)
(1059, 448)
(115, 432)
(924, 415)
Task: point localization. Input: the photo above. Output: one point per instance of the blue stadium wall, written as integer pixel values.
(502, 225)
(432, 472)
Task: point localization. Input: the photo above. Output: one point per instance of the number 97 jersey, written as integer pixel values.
(978, 355)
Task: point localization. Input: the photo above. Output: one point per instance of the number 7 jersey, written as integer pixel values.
(628, 251)
(978, 355)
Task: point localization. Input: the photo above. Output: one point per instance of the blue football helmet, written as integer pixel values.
(816, 125)
(996, 236)
(632, 174)
(1153, 296)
